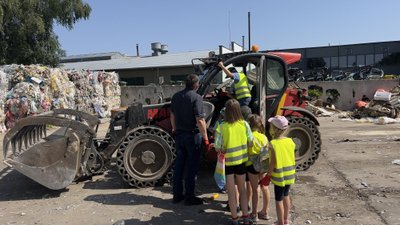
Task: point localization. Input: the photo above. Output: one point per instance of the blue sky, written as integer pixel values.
(186, 25)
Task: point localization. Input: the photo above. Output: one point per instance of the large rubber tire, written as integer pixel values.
(145, 157)
(306, 135)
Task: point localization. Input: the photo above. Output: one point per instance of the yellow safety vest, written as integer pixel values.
(234, 142)
(285, 167)
(259, 141)
(242, 87)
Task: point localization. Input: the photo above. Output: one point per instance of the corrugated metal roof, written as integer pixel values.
(167, 60)
(94, 55)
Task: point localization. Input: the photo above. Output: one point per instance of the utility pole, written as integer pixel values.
(242, 42)
(249, 29)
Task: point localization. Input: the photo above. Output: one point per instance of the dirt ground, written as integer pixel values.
(353, 182)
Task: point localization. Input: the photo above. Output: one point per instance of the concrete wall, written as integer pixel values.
(147, 94)
(352, 91)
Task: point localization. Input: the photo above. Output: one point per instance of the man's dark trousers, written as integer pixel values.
(186, 164)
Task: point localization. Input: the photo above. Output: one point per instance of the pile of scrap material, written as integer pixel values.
(384, 104)
(3, 92)
(323, 109)
(34, 89)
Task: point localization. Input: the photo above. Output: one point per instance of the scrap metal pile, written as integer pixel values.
(34, 89)
(384, 104)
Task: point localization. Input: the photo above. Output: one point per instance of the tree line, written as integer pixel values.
(26, 29)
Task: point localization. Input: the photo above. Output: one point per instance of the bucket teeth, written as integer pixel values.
(14, 146)
(34, 135)
(45, 131)
(30, 137)
(26, 141)
(19, 144)
(41, 132)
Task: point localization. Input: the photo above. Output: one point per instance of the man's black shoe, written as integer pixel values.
(193, 201)
(178, 199)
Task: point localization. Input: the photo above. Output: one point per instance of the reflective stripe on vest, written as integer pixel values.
(235, 143)
(242, 87)
(285, 167)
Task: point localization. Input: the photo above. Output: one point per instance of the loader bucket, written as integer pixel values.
(55, 160)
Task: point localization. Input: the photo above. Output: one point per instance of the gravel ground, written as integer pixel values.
(353, 182)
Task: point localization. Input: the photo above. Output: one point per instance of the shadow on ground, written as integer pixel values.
(14, 187)
(209, 213)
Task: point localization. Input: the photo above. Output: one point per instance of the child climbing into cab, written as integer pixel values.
(282, 166)
(233, 137)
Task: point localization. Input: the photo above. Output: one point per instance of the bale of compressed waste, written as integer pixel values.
(34, 89)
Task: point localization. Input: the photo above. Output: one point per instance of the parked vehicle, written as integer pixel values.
(337, 75)
(141, 135)
(367, 73)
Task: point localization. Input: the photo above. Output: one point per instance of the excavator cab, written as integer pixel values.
(260, 68)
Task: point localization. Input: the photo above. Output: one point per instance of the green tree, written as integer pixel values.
(26, 29)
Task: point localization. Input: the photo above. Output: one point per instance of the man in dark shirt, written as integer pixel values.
(187, 112)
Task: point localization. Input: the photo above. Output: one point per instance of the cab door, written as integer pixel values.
(276, 83)
(272, 84)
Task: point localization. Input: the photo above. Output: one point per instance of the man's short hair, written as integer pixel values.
(191, 80)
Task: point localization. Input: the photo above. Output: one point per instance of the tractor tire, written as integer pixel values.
(307, 138)
(145, 157)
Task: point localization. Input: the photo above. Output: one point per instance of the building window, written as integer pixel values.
(349, 51)
(351, 61)
(378, 58)
(342, 61)
(369, 60)
(134, 80)
(361, 60)
(385, 51)
(327, 61)
(334, 62)
(178, 79)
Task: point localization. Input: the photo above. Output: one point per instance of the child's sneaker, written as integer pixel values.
(254, 217)
(263, 216)
(222, 191)
(247, 220)
(235, 221)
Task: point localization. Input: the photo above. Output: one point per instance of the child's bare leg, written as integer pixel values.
(286, 206)
(241, 180)
(266, 199)
(249, 192)
(279, 212)
(254, 188)
(231, 189)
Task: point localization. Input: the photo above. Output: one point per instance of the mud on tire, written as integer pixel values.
(145, 157)
(308, 141)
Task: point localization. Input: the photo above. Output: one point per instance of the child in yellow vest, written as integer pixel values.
(233, 137)
(260, 140)
(282, 166)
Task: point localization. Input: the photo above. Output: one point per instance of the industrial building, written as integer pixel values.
(347, 57)
(165, 68)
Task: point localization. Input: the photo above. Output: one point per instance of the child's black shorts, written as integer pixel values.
(250, 169)
(237, 169)
(281, 192)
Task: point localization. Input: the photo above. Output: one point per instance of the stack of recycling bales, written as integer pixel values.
(30, 90)
(3, 93)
